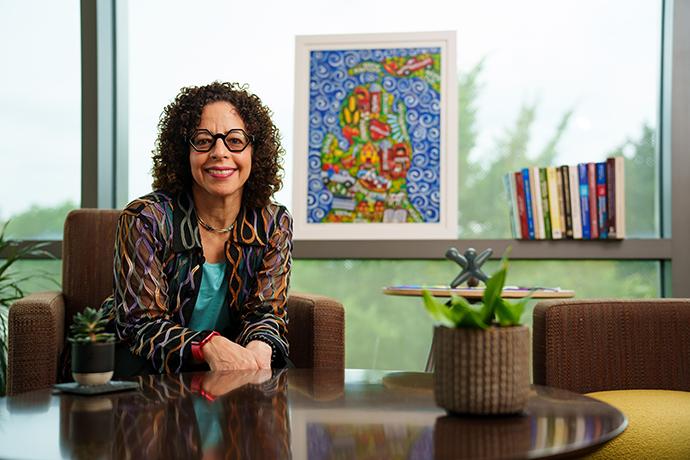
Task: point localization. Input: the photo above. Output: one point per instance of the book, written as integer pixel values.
(509, 186)
(535, 188)
(602, 216)
(584, 200)
(575, 202)
(544, 188)
(528, 203)
(565, 178)
(522, 208)
(554, 208)
(593, 214)
(561, 202)
(611, 196)
(620, 196)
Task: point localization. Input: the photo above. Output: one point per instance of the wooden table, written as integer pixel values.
(478, 292)
(298, 413)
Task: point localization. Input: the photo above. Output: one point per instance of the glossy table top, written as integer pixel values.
(298, 413)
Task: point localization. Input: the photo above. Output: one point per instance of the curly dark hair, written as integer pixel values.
(171, 170)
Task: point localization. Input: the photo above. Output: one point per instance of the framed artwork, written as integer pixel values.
(375, 154)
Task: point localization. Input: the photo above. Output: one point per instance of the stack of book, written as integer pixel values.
(586, 201)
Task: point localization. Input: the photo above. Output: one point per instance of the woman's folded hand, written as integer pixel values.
(222, 354)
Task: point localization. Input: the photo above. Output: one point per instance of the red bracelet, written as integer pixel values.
(196, 387)
(197, 347)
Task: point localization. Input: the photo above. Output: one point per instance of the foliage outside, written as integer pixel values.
(89, 326)
(493, 310)
(39, 222)
(11, 287)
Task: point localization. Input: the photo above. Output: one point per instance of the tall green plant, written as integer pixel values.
(10, 286)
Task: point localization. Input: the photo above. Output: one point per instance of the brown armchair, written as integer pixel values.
(37, 322)
(596, 345)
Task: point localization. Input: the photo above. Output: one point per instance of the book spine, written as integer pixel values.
(575, 202)
(584, 200)
(544, 187)
(611, 196)
(620, 198)
(509, 198)
(565, 177)
(528, 203)
(553, 203)
(522, 207)
(593, 215)
(516, 217)
(601, 201)
(561, 202)
(539, 230)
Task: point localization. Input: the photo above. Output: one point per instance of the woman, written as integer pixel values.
(202, 264)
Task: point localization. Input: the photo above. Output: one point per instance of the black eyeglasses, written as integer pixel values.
(236, 140)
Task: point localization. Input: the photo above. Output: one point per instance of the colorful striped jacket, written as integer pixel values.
(157, 275)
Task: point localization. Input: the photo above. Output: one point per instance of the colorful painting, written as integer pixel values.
(375, 136)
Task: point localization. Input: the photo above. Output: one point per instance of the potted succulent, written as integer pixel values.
(481, 351)
(87, 427)
(93, 349)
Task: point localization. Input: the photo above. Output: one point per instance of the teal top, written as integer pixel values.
(209, 313)
(208, 417)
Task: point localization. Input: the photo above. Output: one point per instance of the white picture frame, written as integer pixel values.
(375, 136)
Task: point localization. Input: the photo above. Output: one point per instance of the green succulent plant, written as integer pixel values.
(89, 327)
(493, 310)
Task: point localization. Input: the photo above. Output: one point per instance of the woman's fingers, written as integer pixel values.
(222, 354)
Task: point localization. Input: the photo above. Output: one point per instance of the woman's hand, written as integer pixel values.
(220, 383)
(262, 352)
(222, 354)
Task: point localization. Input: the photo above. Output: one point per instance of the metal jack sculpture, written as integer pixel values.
(470, 263)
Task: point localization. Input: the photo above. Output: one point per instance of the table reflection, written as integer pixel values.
(209, 415)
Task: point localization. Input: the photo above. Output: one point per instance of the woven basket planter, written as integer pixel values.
(481, 371)
(482, 437)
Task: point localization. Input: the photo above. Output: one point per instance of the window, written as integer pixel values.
(40, 116)
(541, 83)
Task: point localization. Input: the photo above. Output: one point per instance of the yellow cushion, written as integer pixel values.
(658, 424)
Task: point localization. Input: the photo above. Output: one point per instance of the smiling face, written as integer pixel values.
(220, 173)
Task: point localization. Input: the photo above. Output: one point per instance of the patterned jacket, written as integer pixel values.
(157, 275)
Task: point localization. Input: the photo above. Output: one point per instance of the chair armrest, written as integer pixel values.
(591, 345)
(316, 331)
(35, 338)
